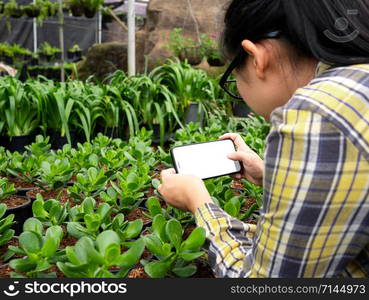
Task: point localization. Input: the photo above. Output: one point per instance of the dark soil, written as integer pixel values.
(5, 271)
(137, 214)
(14, 201)
(237, 184)
(203, 270)
(68, 241)
(138, 273)
(20, 184)
(61, 195)
(248, 203)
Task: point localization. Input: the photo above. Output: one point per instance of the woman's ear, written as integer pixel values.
(259, 56)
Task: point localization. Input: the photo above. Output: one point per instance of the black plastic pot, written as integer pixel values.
(240, 109)
(192, 55)
(89, 13)
(77, 11)
(57, 55)
(16, 13)
(70, 55)
(193, 115)
(156, 135)
(78, 54)
(21, 214)
(34, 61)
(215, 62)
(18, 143)
(57, 141)
(32, 12)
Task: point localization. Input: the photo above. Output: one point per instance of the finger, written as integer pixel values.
(236, 176)
(166, 173)
(237, 139)
(160, 188)
(239, 156)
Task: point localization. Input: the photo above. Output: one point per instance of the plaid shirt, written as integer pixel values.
(315, 216)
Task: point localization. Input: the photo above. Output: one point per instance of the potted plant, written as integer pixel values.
(76, 8)
(20, 115)
(12, 9)
(6, 53)
(90, 7)
(48, 52)
(210, 50)
(185, 48)
(2, 5)
(74, 52)
(17, 205)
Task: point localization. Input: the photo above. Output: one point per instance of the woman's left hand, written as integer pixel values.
(185, 192)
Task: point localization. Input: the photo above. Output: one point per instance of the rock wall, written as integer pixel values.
(164, 15)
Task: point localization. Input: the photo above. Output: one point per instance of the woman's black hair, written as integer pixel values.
(332, 31)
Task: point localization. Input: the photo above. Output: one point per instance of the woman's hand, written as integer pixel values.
(185, 192)
(252, 164)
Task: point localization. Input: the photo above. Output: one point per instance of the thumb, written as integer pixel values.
(238, 156)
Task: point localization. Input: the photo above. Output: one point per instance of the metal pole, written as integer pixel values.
(131, 38)
(99, 26)
(34, 33)
(61, 39)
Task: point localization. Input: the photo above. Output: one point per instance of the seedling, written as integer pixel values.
(173, 254)
(6, 189)
(39, 250)
(50, 212)
(89, 259)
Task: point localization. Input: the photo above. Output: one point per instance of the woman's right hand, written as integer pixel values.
(252, 165)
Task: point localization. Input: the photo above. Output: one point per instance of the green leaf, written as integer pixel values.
(185, 271)
(22, 265)
(33, 224)
(195, 240)
(132, 255)
(105, 239)
(154, 245)
(158, 227)
(190, 256)
(31, 242)
(157, 269)
(174, 232)
(133, 229)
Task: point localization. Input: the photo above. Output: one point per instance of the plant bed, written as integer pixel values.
(61, 195)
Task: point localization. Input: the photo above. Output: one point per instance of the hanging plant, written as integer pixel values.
(2, 5)
(32, 10)
(76, 8)
(12, 9)
(91, 7)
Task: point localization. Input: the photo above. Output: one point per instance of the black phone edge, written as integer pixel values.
(175, 163)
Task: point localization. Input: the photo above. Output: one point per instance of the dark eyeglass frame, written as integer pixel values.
(238, 60)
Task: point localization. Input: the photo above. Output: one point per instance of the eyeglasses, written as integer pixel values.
(228, 85)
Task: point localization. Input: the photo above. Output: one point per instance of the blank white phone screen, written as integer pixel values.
(206, 160)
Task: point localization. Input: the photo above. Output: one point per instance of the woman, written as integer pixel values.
(303, 66)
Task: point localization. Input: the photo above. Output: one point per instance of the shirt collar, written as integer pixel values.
(321, 67)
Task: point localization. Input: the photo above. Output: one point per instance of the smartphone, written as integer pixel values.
(205, 160)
